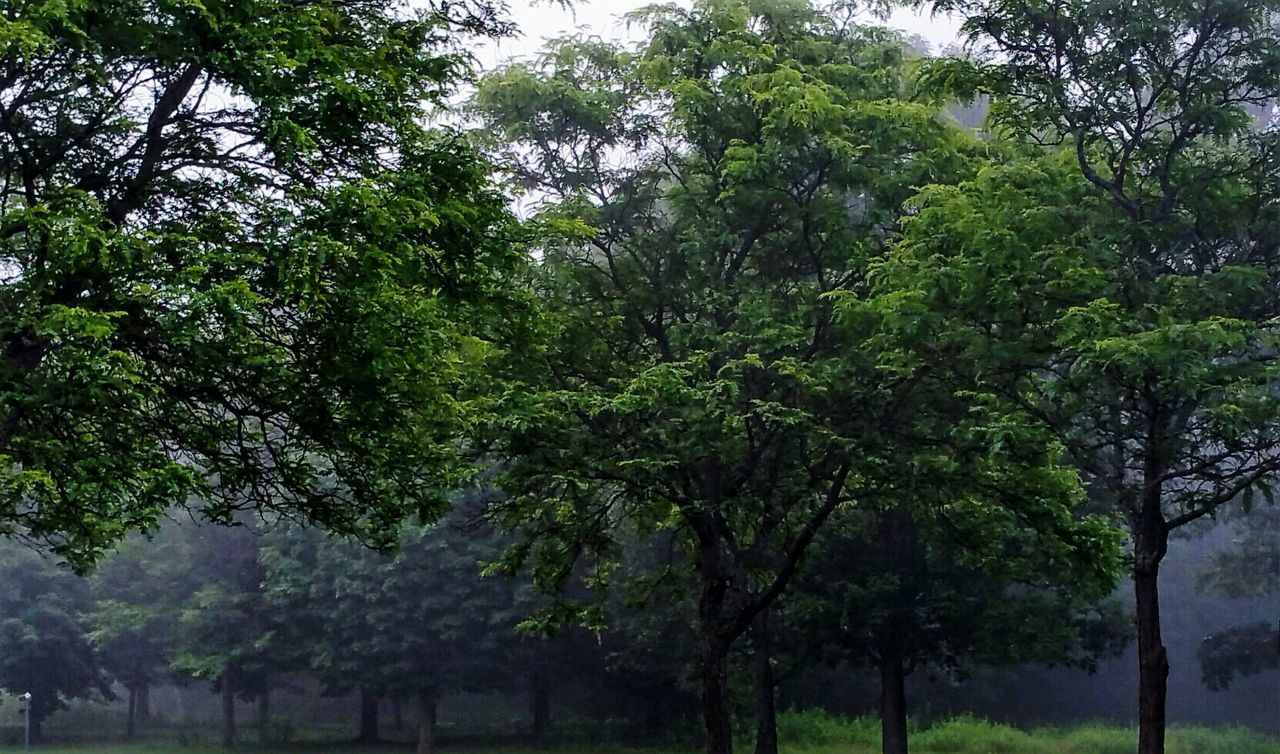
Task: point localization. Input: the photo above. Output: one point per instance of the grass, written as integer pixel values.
(815, 733)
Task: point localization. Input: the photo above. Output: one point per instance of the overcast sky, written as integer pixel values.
(603, 18)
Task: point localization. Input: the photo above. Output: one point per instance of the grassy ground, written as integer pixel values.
(818, 734)
(965, 736)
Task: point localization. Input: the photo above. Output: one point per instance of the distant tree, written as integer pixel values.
(885, 591)
(225, 629)
(1249, 568)
(419, 622)
(723, 180)
(239, 271)
(44, 647)
(132, 619)
(1125, 296)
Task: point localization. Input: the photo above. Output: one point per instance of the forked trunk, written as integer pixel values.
(893, 706)
(766, 706)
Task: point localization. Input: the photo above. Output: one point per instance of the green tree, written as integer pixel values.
(419, 622)
(44, 643)
(723, 180)
(133, 615)
(1250, 568)
(225, 629)
(1160, 333)
(238, 270)
(883, 591)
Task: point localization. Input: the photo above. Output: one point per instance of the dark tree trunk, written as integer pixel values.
(715, 695)
(264, 715)
(540, 700)
(1153, 660)
(655, 713)
(228, 709)
(766, 706)
(893, 706)
(397, 714)
(144, 703)
(130, 725)
(368, 715)
(428, 704)
(903, 555)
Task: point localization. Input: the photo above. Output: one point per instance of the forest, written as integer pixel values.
(764, 380)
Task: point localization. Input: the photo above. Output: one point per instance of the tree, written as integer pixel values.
(716, 187)
(1250, 568)
(881, 590)
(132, 618)
(226, 630)
(44, 647)
(419, 622)
(1133, 268)
(239, 271)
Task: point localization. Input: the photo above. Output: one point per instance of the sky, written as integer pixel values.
(540, 21)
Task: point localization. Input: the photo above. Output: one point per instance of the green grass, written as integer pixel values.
(815, 733)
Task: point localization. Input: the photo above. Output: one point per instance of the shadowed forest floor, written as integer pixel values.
(805, 734)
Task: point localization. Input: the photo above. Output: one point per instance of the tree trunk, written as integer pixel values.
(130, 725)
(893, 706)
(144, 703)
(368, 716)
(397, 714)
(228, 709)
(428, 703)
(264, 715)
(1153, 659)
(715, 695)
(540, 692)
(655, 718)
(766, 706)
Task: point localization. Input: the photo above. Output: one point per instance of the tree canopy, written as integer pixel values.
(239, 270)
(716, 186)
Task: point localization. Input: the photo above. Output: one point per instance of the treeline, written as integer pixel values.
(257, 611)
(783, 360)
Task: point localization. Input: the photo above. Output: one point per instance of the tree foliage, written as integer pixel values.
(1133, 255)
(239, 272)
(716, 187)
(44, 647)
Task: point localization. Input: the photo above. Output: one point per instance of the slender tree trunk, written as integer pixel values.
(428, 704)
(766, 705)
(264, 715)
(368, 715)
(903, 555)
(130, 726)
(893, 706)
(540, 693)
(144, 703)
(228, 709)
(715, 695)
(397, 713)
(1153, 658)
